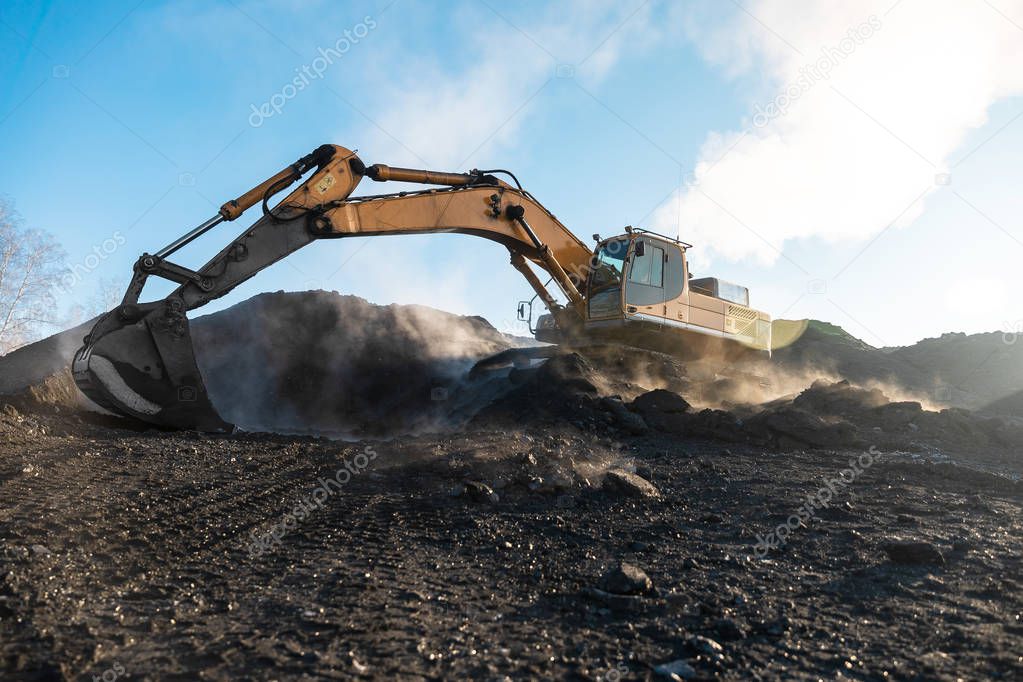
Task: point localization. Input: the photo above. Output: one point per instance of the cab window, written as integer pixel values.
(649, 268)
(608, 265)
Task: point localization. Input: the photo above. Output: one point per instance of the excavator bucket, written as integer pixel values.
(138, 360)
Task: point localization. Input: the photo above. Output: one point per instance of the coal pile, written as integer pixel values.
(320, 362)
(592, 395)
(840, 415)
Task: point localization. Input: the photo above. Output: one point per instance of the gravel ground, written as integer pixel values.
(483, 555)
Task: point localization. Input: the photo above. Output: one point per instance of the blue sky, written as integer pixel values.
(884, 198)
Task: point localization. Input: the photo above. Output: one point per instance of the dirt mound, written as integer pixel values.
(53, 394)
(841, 415)
(954, 370)
(32, 364)
(1010, 405)
(968, 370)
(306, 362)
(584, 390)
(318, 361)
(586, 387)
(839, 398)
(565, 388)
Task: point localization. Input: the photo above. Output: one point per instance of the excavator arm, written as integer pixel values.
(499, 213)
(138, 359)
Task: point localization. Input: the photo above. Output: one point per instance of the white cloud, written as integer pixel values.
(848, 152)
(447, 117)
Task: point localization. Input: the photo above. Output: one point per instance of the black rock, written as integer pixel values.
(730, 628)
(481, 492)
(627, 579)
(629, 484)
(662, 401)
(787, 424)
(663, 410)
(963, 545)
(705, 645)
(676, 670)
(624, 419)
(912, 552)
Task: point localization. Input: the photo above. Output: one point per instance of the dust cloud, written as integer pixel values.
(321, 362)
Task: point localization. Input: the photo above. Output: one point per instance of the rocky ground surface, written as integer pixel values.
(605, 515)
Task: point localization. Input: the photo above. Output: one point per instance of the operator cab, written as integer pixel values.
(632, 279)
(636, 273)
(638, 291)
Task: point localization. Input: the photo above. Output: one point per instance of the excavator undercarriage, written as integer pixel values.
(634, 289)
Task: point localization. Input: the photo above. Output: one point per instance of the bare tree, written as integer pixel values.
(31, 262)
(107, 296)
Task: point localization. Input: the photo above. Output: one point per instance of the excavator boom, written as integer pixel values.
(138, 360)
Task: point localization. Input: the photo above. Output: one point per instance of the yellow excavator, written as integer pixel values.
(634, 288)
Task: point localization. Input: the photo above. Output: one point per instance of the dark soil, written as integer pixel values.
(134, 549)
